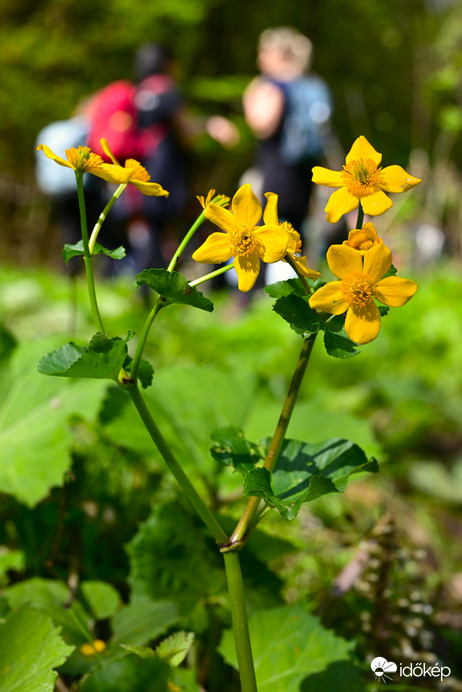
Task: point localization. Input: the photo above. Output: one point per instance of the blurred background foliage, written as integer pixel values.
(394, 68)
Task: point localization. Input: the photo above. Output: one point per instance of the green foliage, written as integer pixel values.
(101, 359)
(305, 472)
(293, 651)
(128, 675)
(77, 250)
(232, 449)
(336, 341)
(296, 311)
(174, 649)
(172, 287)
(30, 648)
(34, 419)
(142, 620)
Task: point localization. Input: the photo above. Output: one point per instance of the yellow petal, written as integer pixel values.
(220, 217)
(362, 323)
(361, 149)
(151, 189)
(215, 250)
(51, 155)
(376, 204)
(330, 299)
(246, 207)
(304, 270)
(377, 261)
(344, 260)
(272, 243)
(397, 180)
(340, 202)
(112, 173)
(324, 176)
(105, 146)
(247, 269)
(270, 215)
(394, 291)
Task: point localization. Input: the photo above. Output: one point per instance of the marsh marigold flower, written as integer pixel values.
(361, 282)
(79, 159)
(131, 172)
(270, 216)
(97, 646)
(242, 239)
(362, 180)
(363, 239)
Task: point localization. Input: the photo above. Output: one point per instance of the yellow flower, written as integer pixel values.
(361, 282)
(222, 200)
(294, 246)
(131, 172)
(97, 646)
(362, 180)
(80, 159)
(363, 239)
(242, 238)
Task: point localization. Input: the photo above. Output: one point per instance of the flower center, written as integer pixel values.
(364, 245)
(139, 172)
(243, 242)
(362, 177)
(82, 158)
(357, 289)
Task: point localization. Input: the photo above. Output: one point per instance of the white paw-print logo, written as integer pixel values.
(381, 667)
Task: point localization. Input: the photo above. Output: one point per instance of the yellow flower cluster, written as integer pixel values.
(363, 260)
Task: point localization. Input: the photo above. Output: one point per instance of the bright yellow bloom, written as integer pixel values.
(294, 246)
(80, 159)
(362, 180)
(97, 646)
(131, 172)
(222, 200)
(242, 238)
(363, 239)
(361, 282)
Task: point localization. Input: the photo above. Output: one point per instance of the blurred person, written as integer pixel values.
(289, 112)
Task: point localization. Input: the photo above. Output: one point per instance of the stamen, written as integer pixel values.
(357, 289)
(83, 158)
(139, 172)
(362, 177)
(242, 242)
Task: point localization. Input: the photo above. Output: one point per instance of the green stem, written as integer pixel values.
(86, 253)
(212, 275)
(198, 222)
(175, 468)
(241, 532)
(102, 217)
(240, 623)
(158, 305)
(360, 219)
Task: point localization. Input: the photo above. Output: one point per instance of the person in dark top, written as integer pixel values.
(287, 111)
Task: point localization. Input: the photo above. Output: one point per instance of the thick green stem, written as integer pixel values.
(360, 219)
(175, 468)
(102, 217)
(240, 623)
(86, 253)
(246, 522)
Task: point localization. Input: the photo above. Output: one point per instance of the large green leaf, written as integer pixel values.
(130, 675)
(142, 620)
(35, 435)
(304, 472)
(291, 649)
(30, 648)
(173, 288)
(297, 312)
(101, 599)
(337, 342)
(101, 359)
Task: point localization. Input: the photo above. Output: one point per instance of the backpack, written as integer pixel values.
(113, 115)
(308, 106)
